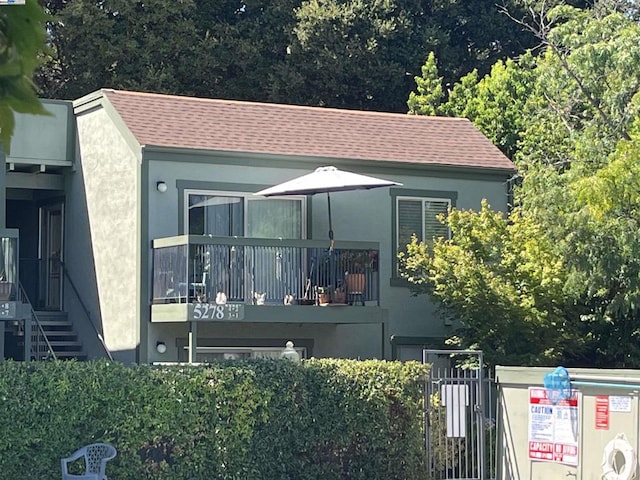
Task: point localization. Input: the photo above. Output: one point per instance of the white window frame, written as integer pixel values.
(422, 201)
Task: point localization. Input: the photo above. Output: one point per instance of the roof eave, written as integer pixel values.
(99, 99)
(163, 152)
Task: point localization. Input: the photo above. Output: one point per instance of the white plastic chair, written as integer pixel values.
(95, 456)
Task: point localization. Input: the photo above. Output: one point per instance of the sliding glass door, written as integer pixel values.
(252, 275)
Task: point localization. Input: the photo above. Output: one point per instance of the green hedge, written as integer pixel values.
(262, 419)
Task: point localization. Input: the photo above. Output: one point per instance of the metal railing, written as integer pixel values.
(37, 345)
(194, 268)
(460, 413)
(85, 310)
(34, 270)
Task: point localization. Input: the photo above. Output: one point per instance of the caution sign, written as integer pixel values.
(553, 429)
(602, 412)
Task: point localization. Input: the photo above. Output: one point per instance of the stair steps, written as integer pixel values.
(61, 334)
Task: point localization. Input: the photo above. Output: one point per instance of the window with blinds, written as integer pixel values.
(418, 216)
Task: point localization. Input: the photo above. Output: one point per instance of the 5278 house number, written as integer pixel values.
(211, 311)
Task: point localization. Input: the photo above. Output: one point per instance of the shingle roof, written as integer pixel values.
(226, 125)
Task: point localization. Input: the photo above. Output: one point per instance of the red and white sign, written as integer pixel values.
(553, 429)
(602, 412)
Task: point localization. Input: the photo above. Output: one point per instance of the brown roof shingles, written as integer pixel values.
(226, 125)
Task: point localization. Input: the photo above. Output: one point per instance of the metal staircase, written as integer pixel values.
(47, 335)
(63, 339)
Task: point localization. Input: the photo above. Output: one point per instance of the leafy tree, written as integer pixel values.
(495, 103)
(604, 267)
(207, 48)
(502, 280)
(573, 231)
(587, 79)
(430, 94)
(22, 36)
(363, 54)
(339, 53)
(119, 44)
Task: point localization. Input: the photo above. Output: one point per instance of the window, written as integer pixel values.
(212, 349)
(418, 216)
(415, 212)
(211, 354)
(228, 214)
(243, 274)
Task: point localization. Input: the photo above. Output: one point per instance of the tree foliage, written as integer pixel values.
(22, 42)
(340, 53)
(495, 103)
(562, 268)
(502, 280)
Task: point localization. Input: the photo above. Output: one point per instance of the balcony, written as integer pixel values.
(9, 307)
(250, 279)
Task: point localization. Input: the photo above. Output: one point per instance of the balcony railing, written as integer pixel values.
(193, 268)
(8, 264)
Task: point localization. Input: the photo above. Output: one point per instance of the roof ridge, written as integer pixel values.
(292, 106)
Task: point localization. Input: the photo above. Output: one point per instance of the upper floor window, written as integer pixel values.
(418, 216)
(415, 212)
(231, 214)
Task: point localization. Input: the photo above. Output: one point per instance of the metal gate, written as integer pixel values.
(459, 416)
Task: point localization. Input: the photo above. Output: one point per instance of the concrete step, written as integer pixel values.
(61, 335)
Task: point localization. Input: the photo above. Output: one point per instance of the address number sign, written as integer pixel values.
(213, 312)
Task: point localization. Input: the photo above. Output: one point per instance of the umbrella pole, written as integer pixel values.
(330, 227)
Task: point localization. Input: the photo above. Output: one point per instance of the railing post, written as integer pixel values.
(193, 341)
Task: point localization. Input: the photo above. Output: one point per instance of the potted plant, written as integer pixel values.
(359, 261)
(340, 294)
(356, 265)
(323, 295)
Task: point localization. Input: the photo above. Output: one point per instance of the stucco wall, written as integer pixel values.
(52, 132)
(513, 421)
(364, 215)
(106, 186)
(320, 335)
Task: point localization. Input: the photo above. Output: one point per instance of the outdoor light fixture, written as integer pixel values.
(161, 186)
(161, 347)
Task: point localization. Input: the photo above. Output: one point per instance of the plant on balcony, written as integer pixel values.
(357, 263)
(323, 295)
(360, 261)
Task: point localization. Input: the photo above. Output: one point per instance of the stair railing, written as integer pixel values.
(85, 309)
(39, 346)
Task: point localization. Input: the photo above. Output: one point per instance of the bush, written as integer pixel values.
(262, 419)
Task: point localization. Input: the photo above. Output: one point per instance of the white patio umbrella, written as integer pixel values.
(326, 179)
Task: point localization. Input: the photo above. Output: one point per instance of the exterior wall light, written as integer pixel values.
(161, 347)
(161, 187)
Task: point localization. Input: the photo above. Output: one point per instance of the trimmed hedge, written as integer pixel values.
(244, 420)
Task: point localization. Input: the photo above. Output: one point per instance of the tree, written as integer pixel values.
(22, 37)
(429, 97)
(207, 48)
(362, 54)
(501, 279)
(353, 54)
(573, 289)
(495, 103)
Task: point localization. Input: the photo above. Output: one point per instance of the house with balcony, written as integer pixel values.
(132, 228)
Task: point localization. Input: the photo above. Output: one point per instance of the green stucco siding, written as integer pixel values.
(108, 175)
